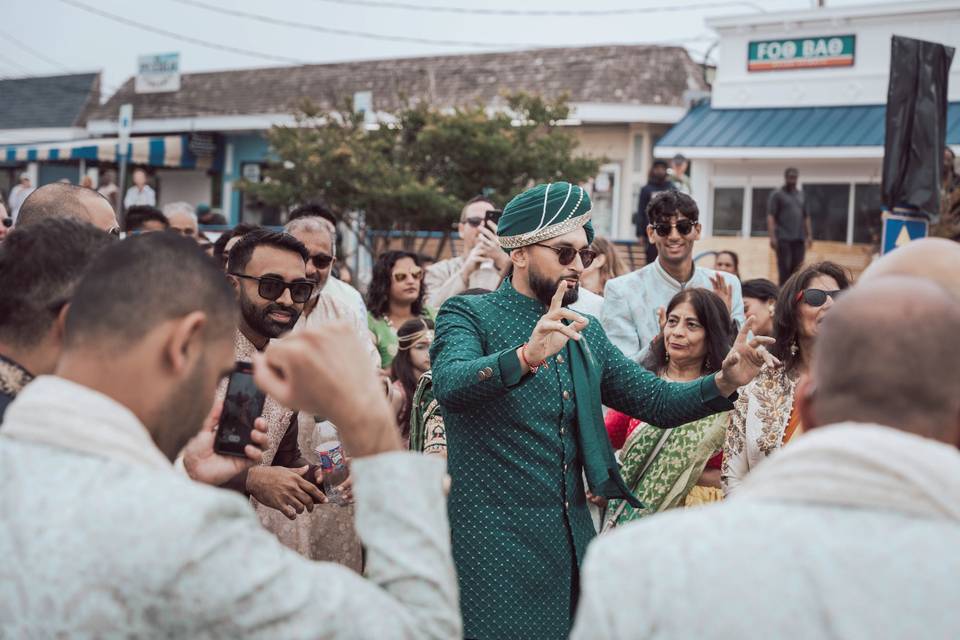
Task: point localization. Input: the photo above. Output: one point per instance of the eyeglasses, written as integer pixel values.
(115, 232)
(474, 222)
(817, 297)
(566, 255)
(270, 288)
(416, 274)
(663, 229)
(7, 222)
(321, 260)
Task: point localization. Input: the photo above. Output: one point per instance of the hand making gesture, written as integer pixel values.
(744, 360)
(551, 334)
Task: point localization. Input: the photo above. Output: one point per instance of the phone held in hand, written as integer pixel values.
(242, 405)
(493, 215)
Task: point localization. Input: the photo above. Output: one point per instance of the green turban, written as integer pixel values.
(543, 212)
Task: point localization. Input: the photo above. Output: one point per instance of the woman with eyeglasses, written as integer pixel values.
(667, 468)
(396, 295)
(764, 417)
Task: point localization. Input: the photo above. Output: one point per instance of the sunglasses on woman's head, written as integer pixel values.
(817, 297)
(663, 229)
(271, 288)
(416, 274)
(321, 260)
(566, 255)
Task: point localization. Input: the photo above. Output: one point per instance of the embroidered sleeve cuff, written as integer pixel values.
(711, 397)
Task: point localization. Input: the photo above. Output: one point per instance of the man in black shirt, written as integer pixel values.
(788, 222)
(657, 182)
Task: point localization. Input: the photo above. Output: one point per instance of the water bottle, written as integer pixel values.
(332, 460)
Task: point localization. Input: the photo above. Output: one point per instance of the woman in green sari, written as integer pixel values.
(667, 467)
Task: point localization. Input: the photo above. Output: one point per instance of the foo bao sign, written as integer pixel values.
(801, 53)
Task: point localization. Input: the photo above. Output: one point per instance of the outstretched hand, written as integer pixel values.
(745, 359)
(551, 334)
(723, 290)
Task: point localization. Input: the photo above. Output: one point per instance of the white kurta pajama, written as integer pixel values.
(102, 537)
(850, 532)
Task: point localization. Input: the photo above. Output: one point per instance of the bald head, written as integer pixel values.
(936, 259)
(889, 353)
(62, 200)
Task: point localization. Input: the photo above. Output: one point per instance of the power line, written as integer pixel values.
(346, 32)
(179, 36)
(35, 52)
(580, 13)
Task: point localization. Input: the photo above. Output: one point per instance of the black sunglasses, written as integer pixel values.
(663, 229)
(321, 260)
(270, 288)
(817, 297)
(566, 255)
(474, 222)
(7, 222)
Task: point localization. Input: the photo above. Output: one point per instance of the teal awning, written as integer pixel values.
(158, 151)
(847, 126)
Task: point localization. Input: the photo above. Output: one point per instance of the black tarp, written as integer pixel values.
(916, 124)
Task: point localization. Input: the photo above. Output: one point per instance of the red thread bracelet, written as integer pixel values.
(523, 356)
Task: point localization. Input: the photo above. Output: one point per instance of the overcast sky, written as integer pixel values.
(47, 37)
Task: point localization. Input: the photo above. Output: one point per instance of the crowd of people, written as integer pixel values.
(540, 443)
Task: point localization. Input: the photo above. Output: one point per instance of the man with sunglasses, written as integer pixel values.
(268, 271)
(40, 266)
(632, 303)
(520, 378)
(481, 263)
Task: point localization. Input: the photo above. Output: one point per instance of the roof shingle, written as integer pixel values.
(52, 101)
(620, 74)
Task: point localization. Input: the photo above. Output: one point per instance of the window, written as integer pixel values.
(867, 201)
(638, 159)
(727, 211)
(758, 213)
(828, 206)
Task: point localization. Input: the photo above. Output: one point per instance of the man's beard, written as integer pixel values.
(187, 408)
(545, 289)
(259, 319)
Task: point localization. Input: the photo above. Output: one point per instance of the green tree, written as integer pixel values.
(417, 172)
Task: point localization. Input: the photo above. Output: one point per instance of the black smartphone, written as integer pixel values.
(242, 405)
(493, 215)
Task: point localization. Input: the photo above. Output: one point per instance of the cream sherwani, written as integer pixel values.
(102, 537)
(850, 532)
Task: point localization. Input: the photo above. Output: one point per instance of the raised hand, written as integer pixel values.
(488, 238)
(745, 359)
(723, 290)
(551, 335)
(204, 465)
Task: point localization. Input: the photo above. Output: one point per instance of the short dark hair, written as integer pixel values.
(220, 245)
(242, 251)
(139, 215)
(142, 281)
(664, 205)
(57, 200)
(760, 289)
(713, 314)
(475, 200)
(790, 170)
(378, 294)
(313, 209)
(785, 327)
(660, 163)
(40, 266)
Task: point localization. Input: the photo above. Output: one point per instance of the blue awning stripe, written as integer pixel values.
(159, 151)
(848, 126)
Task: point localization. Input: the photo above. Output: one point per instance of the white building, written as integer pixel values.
(804, 89)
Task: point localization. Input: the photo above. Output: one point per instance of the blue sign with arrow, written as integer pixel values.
(900, 230)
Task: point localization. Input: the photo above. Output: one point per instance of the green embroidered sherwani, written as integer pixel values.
(518, 514)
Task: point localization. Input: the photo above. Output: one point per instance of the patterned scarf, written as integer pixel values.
(13, 377)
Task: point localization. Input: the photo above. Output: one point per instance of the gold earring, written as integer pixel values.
(771, 308)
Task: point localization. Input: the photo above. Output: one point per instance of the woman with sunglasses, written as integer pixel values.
(396, 295)
(667, 468)
(764, 417)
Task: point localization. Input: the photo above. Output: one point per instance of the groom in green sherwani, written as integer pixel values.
(520, 379)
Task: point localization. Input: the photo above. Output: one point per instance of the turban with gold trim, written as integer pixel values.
(544, 212)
